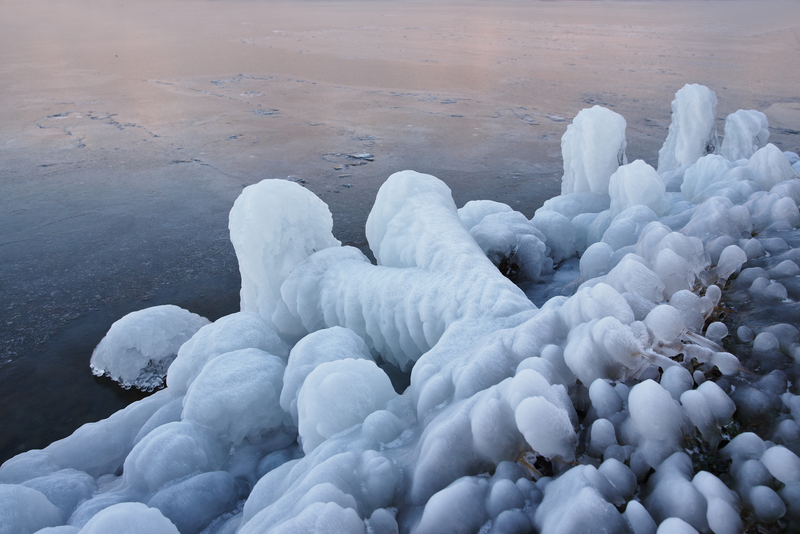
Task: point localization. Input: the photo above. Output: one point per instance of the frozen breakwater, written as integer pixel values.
(654, 388)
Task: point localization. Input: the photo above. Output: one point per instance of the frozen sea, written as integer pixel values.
(128, 130)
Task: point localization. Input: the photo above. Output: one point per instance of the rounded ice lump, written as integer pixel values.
(138, 349)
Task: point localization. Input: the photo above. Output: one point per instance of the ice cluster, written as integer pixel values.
(653, 388)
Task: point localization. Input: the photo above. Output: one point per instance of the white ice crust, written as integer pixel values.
(500, 416)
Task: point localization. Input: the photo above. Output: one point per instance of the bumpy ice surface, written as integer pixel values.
(652, 387)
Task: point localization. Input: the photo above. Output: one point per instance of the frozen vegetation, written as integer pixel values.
(651, 388)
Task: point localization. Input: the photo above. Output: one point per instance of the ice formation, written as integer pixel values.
(139, 348)
(653, 388)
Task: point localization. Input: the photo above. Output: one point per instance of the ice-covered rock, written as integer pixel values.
(138, 349)
(693, 130)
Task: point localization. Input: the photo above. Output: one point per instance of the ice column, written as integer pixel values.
(593, 147)
(745, 132)
(274, 226)
(693, 130)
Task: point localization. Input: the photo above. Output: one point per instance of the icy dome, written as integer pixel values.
(641, 377)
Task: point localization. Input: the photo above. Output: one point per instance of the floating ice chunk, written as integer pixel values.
(192, 504)
(337, 395)
(274, 225)
(330, 344)
(138, 349)
(782, 463)
(693, 130)
(243, 330)
(237, 395)
(745, 132)
(769, 167)
(26, 510)
(474, 211)
(592, 148)
(636, 184)
(129, 518)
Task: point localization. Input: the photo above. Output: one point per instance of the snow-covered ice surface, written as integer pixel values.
(641, 376)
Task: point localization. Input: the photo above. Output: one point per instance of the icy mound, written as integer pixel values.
(654, 389)
(138, 349)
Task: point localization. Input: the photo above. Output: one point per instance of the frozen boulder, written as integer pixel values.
(138, 349)
(592, 148)
(693, 130)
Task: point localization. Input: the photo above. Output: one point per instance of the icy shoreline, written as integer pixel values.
(623, 403)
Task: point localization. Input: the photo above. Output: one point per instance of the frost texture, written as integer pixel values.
(616, 393)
